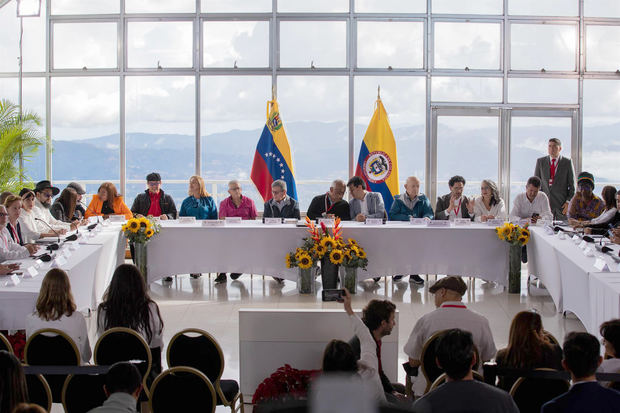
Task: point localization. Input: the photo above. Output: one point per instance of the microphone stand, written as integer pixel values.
(50, 227)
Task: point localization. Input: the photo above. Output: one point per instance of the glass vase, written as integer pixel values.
(305, 280)
(514, 269)
(329, 274)
(140, 258)
(348, 279)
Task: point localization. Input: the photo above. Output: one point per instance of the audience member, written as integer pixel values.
(80, 212)
(339, 357)
(154, 201)
(55, 308)
(454, 204)
(364, 204)
(557, 178)
(28, 225)
(64, 206)
(610, 331)
(29, 408)
(488, 205)
(13, 205)
(378, 316)
(237, 205)
(528, 348)
(107, 201)
(281, 205)
(9, 249)
(330, 204)
(451, 312)
(581, 359)
(199, 203)
(585, 205)
(13, 390)
(123, 385)
(44, 192)
(531, 204)
(126, 303)
(460, 393)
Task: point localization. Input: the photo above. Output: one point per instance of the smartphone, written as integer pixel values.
(333, 295)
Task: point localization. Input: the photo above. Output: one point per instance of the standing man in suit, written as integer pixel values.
(364, 204)
(558, 178)
(581, 358)
(454, 204)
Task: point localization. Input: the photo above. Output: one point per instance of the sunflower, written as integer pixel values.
(347, 254)
(523, 240)
(149, 232)
(305, 261)
(288, 260)
(124, 228)
(361, 253)
(336, 257)
(321, 250)
(504, 231)
(328, 242)
(351, 241)
(133, 225)
(144, 222)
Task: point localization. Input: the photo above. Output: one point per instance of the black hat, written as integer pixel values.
(25, 191)
(450, 282)
(153, 176)
(41, 185)
(78, 188)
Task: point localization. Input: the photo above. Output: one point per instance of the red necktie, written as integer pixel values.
(553, 168)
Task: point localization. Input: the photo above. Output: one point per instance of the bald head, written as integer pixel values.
(412, 186)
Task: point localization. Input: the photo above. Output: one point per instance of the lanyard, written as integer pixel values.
(453, 306)
(456, 210)
(330, 206)
(15, 234)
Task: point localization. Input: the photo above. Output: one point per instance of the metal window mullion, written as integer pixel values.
(352, 65)
(48, 94)
(506, 53)
(197, 53)
(577, 123)
(429, 178)
(122, 65)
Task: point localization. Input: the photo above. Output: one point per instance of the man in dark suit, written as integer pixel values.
(454, 204)
(330, 203)
(558, 178)
(582, 358)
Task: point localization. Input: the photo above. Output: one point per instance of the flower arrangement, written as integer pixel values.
(513, 234)
(140, 230)
(286, 383)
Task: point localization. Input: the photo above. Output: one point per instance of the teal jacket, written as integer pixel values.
(400, 212)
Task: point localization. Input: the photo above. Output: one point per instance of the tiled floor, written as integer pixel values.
(214, 307)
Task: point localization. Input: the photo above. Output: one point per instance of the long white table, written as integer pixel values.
(395, 248)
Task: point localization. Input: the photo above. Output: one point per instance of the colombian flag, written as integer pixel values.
(272, 159)
(377, 163)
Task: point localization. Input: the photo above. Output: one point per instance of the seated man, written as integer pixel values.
(331, 203)
(411, 204)
(44, 192)
(454, 204)
(450, 313)
(281, 205)
(582, 358)
(378, 316)
(460, 392)
(532, 204)
(123, 385)
(80, 211)
(154, 201)
(364, 204)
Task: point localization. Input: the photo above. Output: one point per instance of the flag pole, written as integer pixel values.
(378, 92)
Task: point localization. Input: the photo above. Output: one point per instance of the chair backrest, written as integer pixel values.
(124, 344)
(442, 379)
(83, 392)
(531, 393)
(39, 391)
(182, 389)
(430, 369)
(198, 349)
(5, 344)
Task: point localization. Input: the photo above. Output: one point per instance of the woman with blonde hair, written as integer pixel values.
(106, 202)
(199, 203)
(56, 308)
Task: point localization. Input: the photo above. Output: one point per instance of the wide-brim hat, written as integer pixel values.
(41, 185)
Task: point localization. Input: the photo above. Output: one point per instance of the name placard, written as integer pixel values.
(601, 265)
(588, 252)
(187, 220)
(583, 245)
(233, 220)
(329, 222)
(439, 223)
(273, 221)
(561, 235)
(117, 218)
(38, 263)
(30, 272)
(290, 221)
(12, 281)
(93, 220)
(462, 222)
(59, 261)
(417, 221)
(576, 239)
(495, 222)
(374, 221)
(213, 223)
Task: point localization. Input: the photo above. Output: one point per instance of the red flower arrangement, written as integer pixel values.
(18, 342)
(286, 383)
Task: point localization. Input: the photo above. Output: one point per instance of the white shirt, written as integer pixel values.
(605, 216)
(74, 326)
(460, 205)
(498, 210)
(156, 333)
(364, 205)
(28, 226)
(368, 364)
(9, 249)
(44, 214)
(523, 208)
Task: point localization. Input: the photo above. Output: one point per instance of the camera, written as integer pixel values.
(333, 295)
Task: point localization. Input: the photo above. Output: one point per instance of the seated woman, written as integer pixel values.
(9, 249)
(107, 202)
(339, 356)
(610, 331)
(13, 205)
(64, 206)
(13, 390)
(611, 216)
(585, 205)
(55, 308)
(126, 303)
(26, 218)
(199, 203)
(528, 348)
(488, 205)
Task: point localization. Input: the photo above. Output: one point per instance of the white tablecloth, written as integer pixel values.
(604, 299)
(395, 248)
(16, 302)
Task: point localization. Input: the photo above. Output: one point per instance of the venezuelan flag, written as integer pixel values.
(377, 163)
(272, 159)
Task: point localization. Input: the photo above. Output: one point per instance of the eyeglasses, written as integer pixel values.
(2, 214)
(47, 195)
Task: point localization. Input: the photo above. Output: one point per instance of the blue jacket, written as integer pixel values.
(585, 397)
(400, 212)
(203, 208)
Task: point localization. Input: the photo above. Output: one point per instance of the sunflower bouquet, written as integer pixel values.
(513, 234)
(140, 230)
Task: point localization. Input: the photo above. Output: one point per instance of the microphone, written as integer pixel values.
(44, 257)
(587, 238)
(92, 226)
(49, 226)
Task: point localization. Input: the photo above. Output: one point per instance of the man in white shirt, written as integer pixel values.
(450, 313)
(532, 204)
(44, 192)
